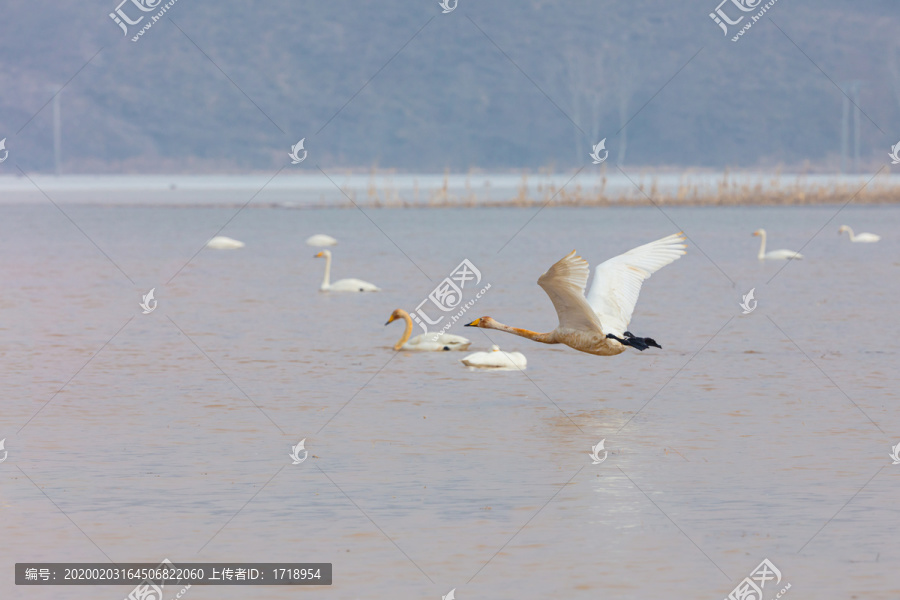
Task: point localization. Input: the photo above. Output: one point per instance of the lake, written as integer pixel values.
(134, 437)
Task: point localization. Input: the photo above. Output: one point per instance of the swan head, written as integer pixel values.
(759, 232)
(843, 229)
(495, 348)
(323, 254)
(397, 314)
(483, 322)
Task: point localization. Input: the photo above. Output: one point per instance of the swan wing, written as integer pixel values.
(453, 340)
(475, 359)
(564, 282)
(321, 239)
(496, 360)
(617, 282)
(354, 285)
(424, 346)
(220, 242)
(444, 339)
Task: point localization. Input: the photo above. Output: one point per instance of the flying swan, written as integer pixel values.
(861, 237)
(220, 242)
(425, 342)
(320, 239)
(495, 359)
(774, 254)
(597, 324)
(342, 285)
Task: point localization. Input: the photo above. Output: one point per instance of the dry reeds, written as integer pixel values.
(764, 190)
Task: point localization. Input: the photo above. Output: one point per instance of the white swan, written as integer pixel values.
(495, 359)
(774, 254)
(425, 342)
(320, 239)
(220, 242)
(861, 237)
(597, 324)
(342, 285)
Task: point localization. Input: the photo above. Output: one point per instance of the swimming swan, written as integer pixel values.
(220, 242)
(342, 285)
(861, 237)
(425, 342)
(774, 254)
(320, 239)
(597, 324)
(495, 359)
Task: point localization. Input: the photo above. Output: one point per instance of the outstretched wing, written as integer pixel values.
(564, 282)
(617, 282)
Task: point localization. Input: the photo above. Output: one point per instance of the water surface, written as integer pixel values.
(746, 437)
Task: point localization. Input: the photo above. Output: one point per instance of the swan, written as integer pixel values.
(320, 239)
(425, 342)
(861, 237)
(342, 285)
(774, 254)
(220, 242)
(495, 359)
(597, 324)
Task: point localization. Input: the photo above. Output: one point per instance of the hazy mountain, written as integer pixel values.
(230, 86)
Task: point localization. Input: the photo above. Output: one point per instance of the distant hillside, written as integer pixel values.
(491, 85)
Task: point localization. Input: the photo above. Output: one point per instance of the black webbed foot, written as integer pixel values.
(634, 341)
(652, 342)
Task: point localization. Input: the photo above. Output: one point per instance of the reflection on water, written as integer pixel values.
(172, 430)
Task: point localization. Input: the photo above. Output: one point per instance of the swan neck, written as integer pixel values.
(326, 282)
(852, 236)
(762, 245)
(546, 338)
(407, 332)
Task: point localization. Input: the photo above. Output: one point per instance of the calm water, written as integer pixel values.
(740, 441)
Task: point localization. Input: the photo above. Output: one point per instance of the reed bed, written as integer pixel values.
(728, 191)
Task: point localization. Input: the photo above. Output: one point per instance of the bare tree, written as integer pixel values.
(893, 67)
(600, 85)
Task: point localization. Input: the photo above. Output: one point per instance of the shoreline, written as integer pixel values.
(447, 191)
(601, 203)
